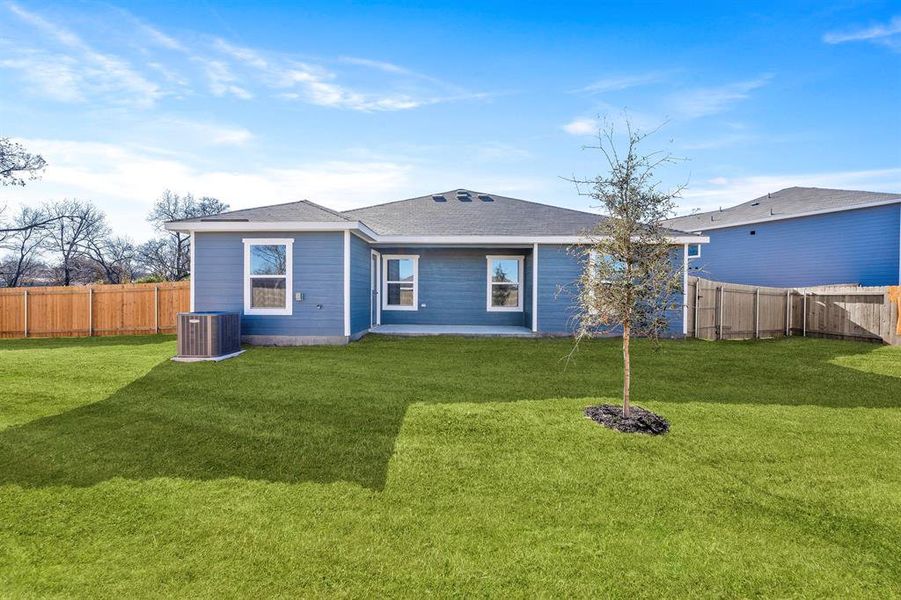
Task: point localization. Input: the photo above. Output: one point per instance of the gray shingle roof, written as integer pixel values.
(476, 214)
(453, 213)
(301, 211)
(782, 205)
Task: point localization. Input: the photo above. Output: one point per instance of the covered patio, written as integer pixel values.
(466, 330)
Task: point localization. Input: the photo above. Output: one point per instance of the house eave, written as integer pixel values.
(363, 231)
(298, 226)
(785, 217)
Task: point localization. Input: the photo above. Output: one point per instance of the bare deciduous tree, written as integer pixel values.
(174, 258)
(17, 164)
(75, 225)
(157, 259)
(115, 258)
(630, 281)
(24, 242)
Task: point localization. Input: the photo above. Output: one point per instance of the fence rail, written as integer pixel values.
(722, 311)
(128, 309)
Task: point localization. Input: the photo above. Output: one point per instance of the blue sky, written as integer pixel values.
(353, 104)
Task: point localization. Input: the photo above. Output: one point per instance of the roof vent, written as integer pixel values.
(755, 203)
(439, 198)
(485, 198)
(772, 212)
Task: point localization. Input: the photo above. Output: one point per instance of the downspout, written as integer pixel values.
(193, 274)
(685, 290)
(346, 283)
(535, 288)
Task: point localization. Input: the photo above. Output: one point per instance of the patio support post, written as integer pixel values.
(535, 288)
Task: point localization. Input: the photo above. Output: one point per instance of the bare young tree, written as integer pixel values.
(75, 225)
(631, 280)
(24, 243)
(174, 258)
(17, 164)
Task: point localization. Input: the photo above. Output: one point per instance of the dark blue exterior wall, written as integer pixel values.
(855, 246)
(453, 285)
(558, 273)
(318, 273)
(360, 285)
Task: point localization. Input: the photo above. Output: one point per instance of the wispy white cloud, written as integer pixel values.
(888, 34)
(582, 126)
(380, 65)
(220, 78)
(59, 64)
(315, 84)
(84, 69)
(705, 101)
(617, 83)
(124, 180)
(728, 191)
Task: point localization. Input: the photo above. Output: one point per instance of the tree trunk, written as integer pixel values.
(627, 372)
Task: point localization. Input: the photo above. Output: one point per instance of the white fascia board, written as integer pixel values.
(811, 213)
(525, 241)
(368, 234)
(266, 226)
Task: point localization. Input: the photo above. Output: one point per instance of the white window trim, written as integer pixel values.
(288, 276)
(385, 259)
(519, 282)
(688, 251)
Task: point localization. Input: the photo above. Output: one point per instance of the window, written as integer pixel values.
(694, 250)
(401, 285)
(505, 283)
(267, 276)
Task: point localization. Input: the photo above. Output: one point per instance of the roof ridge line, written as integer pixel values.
(321, 207)
(477, 193)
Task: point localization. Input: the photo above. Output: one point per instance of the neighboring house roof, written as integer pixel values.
(464, 212)
(436, 218)
(785, 204)
(302, 211)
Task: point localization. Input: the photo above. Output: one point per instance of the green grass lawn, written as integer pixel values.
(451, 467)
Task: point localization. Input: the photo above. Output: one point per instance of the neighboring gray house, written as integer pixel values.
(800, 237)
(458, 262)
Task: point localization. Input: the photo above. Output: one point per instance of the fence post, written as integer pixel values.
(788, 312)
(156, 308)
(719, 316)
(757, 314)
(697, 299)
(804, 314)
(90, 311)
(25, 299)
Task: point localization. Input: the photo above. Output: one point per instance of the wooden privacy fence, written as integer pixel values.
(729, 311)
(128, 309)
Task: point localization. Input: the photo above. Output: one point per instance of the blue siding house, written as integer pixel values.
(800, 237)
(458, 262)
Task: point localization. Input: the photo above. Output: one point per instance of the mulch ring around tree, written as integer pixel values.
(639, 421)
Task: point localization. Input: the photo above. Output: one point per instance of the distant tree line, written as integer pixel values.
(69, 242)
